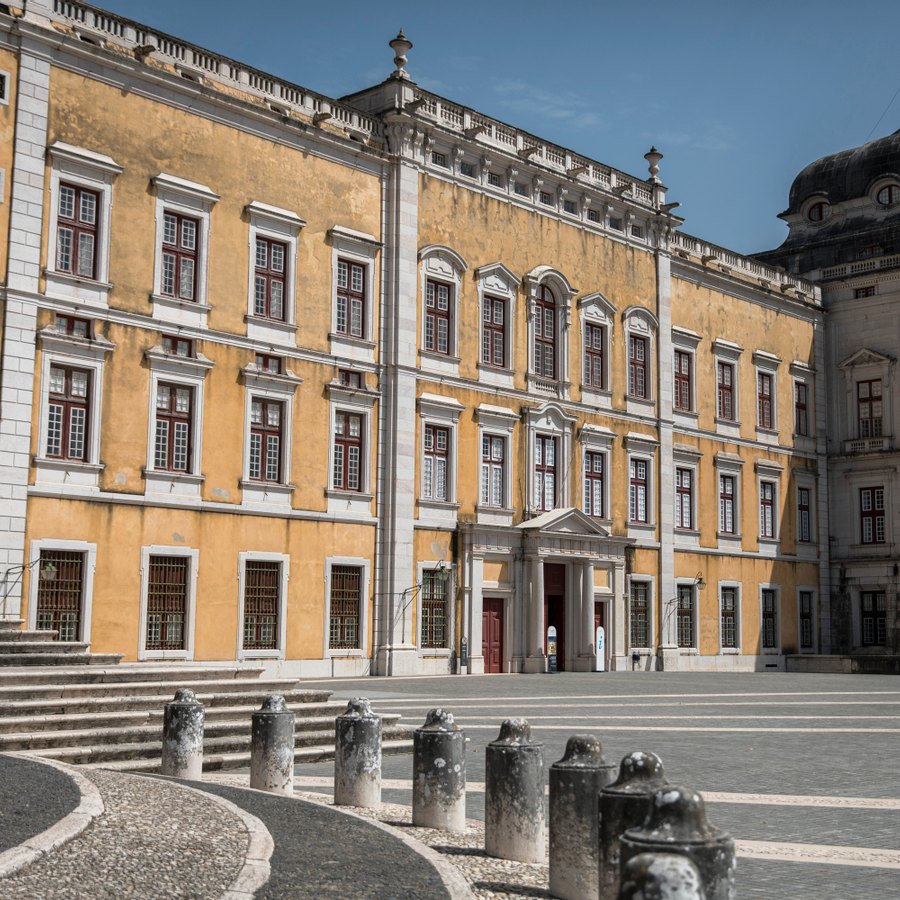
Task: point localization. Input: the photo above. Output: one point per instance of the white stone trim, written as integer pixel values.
(500, 422)
(693, 650)
(5, 81)
(365, 565)
(598, 439)
(729, 464)
(641, 322)
(738, 588)
(643, 448)
(730, 354)
(429, 565)
(686, 341)
(564, 292)
(496, 281)
(650, 581)
(687, 538)
(814, 608)
(806, 549)
(190, 606)
(440, 263)
(361, 248)
(771, 474)
(549, 419)
(87, 588)
(776, 650)
(339, 499)
(443, 412)
(284, 561)
(595, 309)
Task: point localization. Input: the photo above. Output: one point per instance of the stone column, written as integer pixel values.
(182, 746)
(660, 875)
(476, 652)
(439, 773)
(588, 647)
(272, 747)
(535, 661)
(357, 756)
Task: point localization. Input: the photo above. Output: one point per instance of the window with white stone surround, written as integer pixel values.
(726, 359)
(640, 326)
(262, 604)
(549, 298)
(597, 323)
(441, 272)
(768, 479)
(686, 494)
(497, 288)
(770, 619)
(439, 418)
(353, 258)
(767, 411)
(641, 513)
(596, 452)
(496, 425)
(71, 412)
(181, 269)
(548, 458)
(728, 478)
(272, 293)
(350, 475)
(684, 366)
(81, 199)
(168, 602)
(730, 618)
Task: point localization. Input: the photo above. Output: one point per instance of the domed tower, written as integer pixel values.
(844, 233)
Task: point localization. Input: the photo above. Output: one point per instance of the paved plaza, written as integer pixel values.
(802, 770)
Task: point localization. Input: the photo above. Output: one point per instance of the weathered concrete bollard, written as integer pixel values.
(357, 756)
(439, 773)
(182, 746)
(623, 805)
(660, 876)
(514, 795)
(677, 823)
(272, 747)
(575, 783)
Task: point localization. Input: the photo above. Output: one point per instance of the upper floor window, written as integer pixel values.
(889, 195)
(271, 365)
(178, 346)
(727, 519)
(637, 366)
(347, 451)
(435, 463)
(801, 408)
(638, 510)
(594, 348)
(74, 327)
(350, 299)
(869, 407)
(684, 498)
(68, 409)
(439, 159)
(77, 225)
(725, 407)
(683, 379)
(818, 212)
(349, 378)
(438, 313)
(173, 434)
(867, 291)
(767, 509)
(593, 483)
(545, 472)
(545, 334)
(269, 279)
(871, 515)
(804, 514)
(179, 256)
(493, 470)
(493, 332)
(266, 440)
(764, 416)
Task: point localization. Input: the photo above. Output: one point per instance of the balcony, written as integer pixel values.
(867, 445)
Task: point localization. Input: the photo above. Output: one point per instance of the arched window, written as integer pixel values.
(545, 363)
(818, 212)
(889, 195)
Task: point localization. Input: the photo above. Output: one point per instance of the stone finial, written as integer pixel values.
(583, 751)
(184, 695)
(514, 731)
(653, 156)
(401, 46)
(273, 703)
(440, 720)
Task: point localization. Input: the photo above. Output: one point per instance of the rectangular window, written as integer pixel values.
(639, 614)
(727, 520)
(438, 316)
(434, 609)
(638, 510)
(764, 417)
(801, 409)
(867, 291)
(266, 439)
(725, 391)
(262, 585)
(350, 379)
(593, 483)
(493, 456)
(769, 619)
(467, 169)
(180, 242)
(806, 620)
(615, 223)
(593, 215)
(346, 607)
(495, 179)
(521, 189)
(68, 409)
(637, 231)
(804, 515)
(869, 408)
(767, 509)
(546, 198)
(684, 616)
(545, 335)
(871, 515)
(73, 326)
(571, 207)
(436, 463)
(178, 346)
(594, 348)
(439, 159)
(684, 498)
(351, 299)
(167, 587)
(728, 624)
(77, 224)
(269, 274)
(683, 378)
(545, 472)
(60, 593)
(874, 618)
(493, 332)
(174, 426)
(348, 449)
(637, 366)
(272, 365)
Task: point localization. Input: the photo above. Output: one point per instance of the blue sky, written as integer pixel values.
(738, 96)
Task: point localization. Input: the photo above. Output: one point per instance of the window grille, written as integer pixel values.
(262, 582)
(346, 584)
(60, 575)
(167, 585)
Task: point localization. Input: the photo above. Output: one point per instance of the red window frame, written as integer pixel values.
(77, 230)
(348, 469)
(270, 274)
(767, 509)
(545, 483)
(180, 256)
(683, 380)
(266, 440)
(545, 362)
(728, 618)
(638, 494)
(684, 498)
(439, 317)
(804, 515)
(266, 362)
(727, 510)
(68, 413)
(178, 346)
(73, 326)
(173, 447)
(493, 470)
(351, 298)
(725, 391)
(871, 515)
(764, 385)
(801, 408)
(350, 379)
(436, 462)
(594, 473)
(493, 332)
(594, 355)
(869, 407)
(637, 366)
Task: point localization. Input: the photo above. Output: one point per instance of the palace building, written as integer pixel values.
(380, 384)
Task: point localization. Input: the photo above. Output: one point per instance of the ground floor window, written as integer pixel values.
(728, 618)
(874, 618)
(167, 589)
(434, 609)
(806, 620)
(346, 607)
(769, 619)
(639, 614)
(60, 593)
(262, 584)
(684, 621)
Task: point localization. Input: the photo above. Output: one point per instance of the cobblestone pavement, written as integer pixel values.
(801, 769)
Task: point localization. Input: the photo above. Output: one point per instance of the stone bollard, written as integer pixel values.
(676, 823)
(272, 747)
(357, 756)
(660, 876)
(623, 805)
(182, 747)
(439, 773)
(575, 783)
(514, 795)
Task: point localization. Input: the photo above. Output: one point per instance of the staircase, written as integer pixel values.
(62, 702)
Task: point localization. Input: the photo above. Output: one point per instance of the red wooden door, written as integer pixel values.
(492, 634)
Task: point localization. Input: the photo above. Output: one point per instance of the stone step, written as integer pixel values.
(10, 625)
(25, 646)
(23, 635)
(61, 658)
(124, 672)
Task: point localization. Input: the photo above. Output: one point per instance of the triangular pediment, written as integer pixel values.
(865, 357)
(565, 521)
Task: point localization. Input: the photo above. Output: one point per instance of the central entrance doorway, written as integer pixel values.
(555, 609)
(492, 634)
